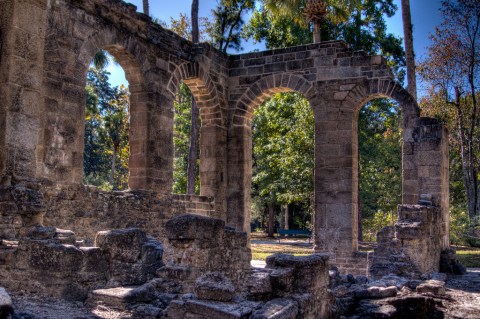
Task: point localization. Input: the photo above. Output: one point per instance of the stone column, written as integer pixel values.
(22, 27)
(159, 146)
(213, 179)
(430, 150)
(336, 182)
(239, 177)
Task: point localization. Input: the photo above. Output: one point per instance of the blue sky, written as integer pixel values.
(425, 16)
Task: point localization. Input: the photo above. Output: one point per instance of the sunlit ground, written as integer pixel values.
(263, 246)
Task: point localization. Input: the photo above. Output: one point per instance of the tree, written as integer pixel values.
(181, 139)
(283, 152)
(452, 74)
(410, 56)
(146, 7)
(194, 125)
(380, 165)
(106, 132)
(317, 12)
(195, 27)
(228, 21)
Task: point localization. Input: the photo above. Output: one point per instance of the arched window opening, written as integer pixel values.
(107, 124)
(283, 164)
(185, 141)
(380, 166)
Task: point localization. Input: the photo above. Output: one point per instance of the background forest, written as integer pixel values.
(283, 127)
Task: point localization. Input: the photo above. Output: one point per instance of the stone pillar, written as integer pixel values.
(159, 141)
(430, 152)
(213, 179)
(336, 183)
(22, 33)
(239, 177)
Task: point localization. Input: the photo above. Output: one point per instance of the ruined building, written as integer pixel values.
(45, 50)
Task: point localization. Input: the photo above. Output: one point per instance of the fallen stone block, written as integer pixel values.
(277, 309)
(259, 285)
(214, 286)
(433, 287)
(204, 309)
(122, 244)
(376, 292)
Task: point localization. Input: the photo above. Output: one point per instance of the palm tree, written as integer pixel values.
(100, 59)
(194, 129)
(410, 56)
(304, 12)
(146, 7)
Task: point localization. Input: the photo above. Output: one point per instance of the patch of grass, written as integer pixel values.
(263, 256)
(269, 247)
(469, 258)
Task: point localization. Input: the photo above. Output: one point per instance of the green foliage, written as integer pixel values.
(283, 152)
(276, 30)
(380, 165)
(451, 73)
(181, 135)
(106, 133)
(228, 22)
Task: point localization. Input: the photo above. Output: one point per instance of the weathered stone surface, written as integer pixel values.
(433, 287)
(191, 227)
(449, 263)
(376, 292)
(214, 286)
(414, 246)
(201, 309)
(122, 245)
(277, 309)
(6, 308)
(259, 285)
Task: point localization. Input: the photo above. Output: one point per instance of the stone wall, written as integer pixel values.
(47, 262)
(87, 210)
(197, 245)
(413, 247)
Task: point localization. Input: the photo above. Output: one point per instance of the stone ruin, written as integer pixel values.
(189, 255)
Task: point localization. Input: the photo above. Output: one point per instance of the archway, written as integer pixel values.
(107, 123)
(379, 166)
(282, 163)
(212, 165)
(186, 139)
(240, 141)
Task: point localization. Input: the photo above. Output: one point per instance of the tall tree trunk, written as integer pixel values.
(195, 29)
(410, 56)
(286, 216)
(112, 172)
(193, 150)
(271, 220)
(194, 129)
(146, 7)
(317, 31)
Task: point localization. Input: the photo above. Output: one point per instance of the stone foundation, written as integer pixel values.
(413, 247)
(87, 210)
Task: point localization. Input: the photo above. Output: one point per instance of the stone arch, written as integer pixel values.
(128, 52)
(212, 130)
(150, 158)
(337, 180)
(263, 89)
(240, 140)
(385, 88)
(203, 89)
